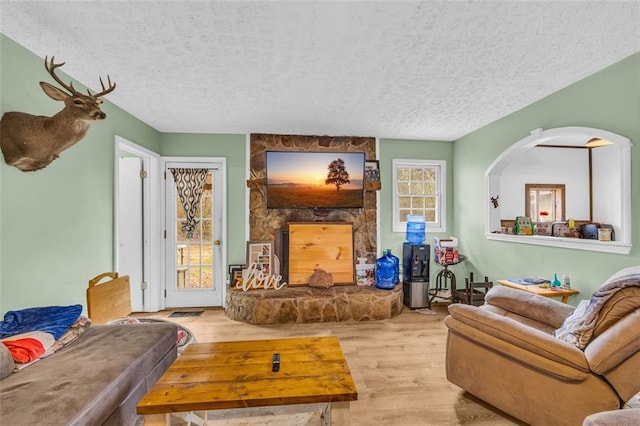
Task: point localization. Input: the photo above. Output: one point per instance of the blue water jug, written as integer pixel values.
(396, 266)
(384, 272)
(416, 229)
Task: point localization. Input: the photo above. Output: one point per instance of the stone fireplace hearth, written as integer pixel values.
(308, 304)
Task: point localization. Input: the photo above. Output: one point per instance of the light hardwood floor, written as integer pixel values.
(398, 365)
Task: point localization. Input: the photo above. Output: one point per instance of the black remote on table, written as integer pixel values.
(275, 363)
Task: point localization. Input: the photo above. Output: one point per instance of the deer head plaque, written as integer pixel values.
(32, 142)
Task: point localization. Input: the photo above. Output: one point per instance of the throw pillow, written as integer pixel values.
(7, 364)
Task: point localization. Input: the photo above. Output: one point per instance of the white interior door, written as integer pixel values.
(195, 271)
(130, 232)
(138, 224)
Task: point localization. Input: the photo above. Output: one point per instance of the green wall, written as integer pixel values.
(56, 224)
(390, 149)
(233, 148)
(610, 100)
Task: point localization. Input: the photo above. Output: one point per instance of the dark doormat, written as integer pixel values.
(185, 314)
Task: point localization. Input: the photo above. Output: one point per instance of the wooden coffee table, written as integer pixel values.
(550, 291)
(238, 375)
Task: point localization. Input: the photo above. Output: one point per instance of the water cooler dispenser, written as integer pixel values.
(415, 271)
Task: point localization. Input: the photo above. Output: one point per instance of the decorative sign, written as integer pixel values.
(254, 278)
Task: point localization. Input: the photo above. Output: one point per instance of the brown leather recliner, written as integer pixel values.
(504, 352)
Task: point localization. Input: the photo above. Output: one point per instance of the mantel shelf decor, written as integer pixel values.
(372, 175)
(372, 186)
(256, 180)
(256, 183)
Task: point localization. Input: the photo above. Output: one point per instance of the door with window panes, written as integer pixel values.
(194, 274)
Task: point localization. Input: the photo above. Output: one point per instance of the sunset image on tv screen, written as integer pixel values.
(314, 179)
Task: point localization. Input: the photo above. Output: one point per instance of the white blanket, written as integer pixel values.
(578, 327)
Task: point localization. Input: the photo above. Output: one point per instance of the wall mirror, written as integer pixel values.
(585, 171)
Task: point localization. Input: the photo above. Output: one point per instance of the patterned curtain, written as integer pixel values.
(189, 184)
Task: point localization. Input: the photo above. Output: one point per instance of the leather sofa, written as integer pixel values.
(505, 353)
(98, 379)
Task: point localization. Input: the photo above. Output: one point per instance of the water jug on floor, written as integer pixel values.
(384, 272)
(396, 266)
(416, 225)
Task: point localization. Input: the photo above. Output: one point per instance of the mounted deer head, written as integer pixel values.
(32, 142)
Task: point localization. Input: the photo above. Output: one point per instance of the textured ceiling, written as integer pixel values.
(402, 69)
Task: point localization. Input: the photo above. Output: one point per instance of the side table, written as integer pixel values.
(550, 291)
(445, 280)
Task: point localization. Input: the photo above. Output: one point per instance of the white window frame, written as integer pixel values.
(440, 166)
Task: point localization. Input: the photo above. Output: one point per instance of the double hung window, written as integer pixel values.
(419, 189)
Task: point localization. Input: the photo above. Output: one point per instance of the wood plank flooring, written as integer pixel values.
(398, 365)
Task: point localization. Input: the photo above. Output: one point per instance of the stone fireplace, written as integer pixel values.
(263, 222)
(303, 303)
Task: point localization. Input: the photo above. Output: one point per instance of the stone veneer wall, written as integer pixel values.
(263, 222)
(308, 304)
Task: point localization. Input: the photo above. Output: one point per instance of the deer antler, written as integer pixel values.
(105, 90)
(51, 69)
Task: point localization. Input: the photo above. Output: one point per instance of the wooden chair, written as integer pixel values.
(473, 292)
(110, 300)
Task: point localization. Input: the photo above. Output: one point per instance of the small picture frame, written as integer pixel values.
(260, 253)
(236, 278)
(235, 273)
(372, 171)
(372, 175)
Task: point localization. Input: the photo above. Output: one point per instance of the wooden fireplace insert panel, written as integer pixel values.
(327, 246)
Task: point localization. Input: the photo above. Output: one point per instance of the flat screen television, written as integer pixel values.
(304, 180)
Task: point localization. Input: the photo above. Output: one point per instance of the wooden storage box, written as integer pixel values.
(327, 246)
